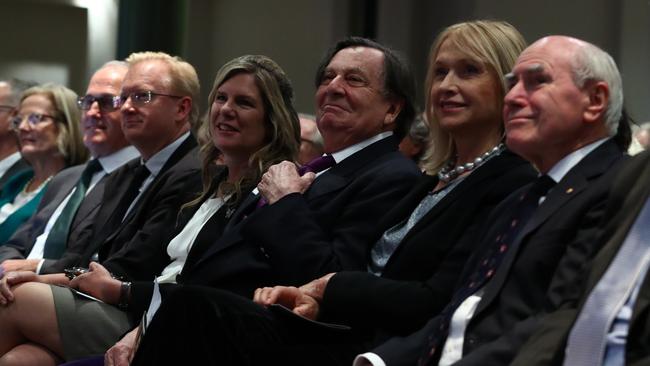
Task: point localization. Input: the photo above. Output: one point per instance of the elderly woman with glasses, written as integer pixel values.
(47, 126)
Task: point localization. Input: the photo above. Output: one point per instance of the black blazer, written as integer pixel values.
(560, 231)
(419, 277)
(135, 248)
(16, 168)
(301, 237)
(22, 241)
(629, 194)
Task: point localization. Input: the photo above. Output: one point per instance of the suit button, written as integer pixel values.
(471, 340)
(264, 252)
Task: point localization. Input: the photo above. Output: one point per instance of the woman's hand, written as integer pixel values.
(11, 279)
(99, 283)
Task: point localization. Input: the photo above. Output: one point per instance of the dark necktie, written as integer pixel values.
(315, 166)
(55, 243)
(489, 263)
(140, 173)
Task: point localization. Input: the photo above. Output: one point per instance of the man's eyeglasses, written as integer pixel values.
(6, 108)
(33, 119)
(143, 97)
(106, 103)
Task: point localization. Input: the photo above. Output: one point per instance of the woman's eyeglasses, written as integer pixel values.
(33, 119)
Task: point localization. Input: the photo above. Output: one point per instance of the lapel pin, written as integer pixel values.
(569, 190)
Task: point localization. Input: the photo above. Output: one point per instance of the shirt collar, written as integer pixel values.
(156, 162)
(115, 160)
(341, 155)
(9, 160)
(562, 167)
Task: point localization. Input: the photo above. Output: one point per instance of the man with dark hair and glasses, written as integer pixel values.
(49, 241)
(10, 160)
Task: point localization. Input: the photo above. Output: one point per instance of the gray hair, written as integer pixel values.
(593, 64)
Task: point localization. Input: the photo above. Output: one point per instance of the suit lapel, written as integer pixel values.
(571, 186)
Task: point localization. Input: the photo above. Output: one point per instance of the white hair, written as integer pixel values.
(592, 63)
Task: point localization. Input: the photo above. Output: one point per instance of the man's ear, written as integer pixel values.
(184, 109)
(394, 109)
(598, 94)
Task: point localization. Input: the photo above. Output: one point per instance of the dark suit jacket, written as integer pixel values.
(301, 237)
(22, 242)
(136, 249)
(526, 282)
(419, 277)
(629, 194)
(16, 168)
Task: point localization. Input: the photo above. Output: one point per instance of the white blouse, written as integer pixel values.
(180, 246)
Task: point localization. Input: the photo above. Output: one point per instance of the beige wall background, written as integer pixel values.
(65, 40)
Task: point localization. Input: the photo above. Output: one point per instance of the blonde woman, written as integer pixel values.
(47, 126)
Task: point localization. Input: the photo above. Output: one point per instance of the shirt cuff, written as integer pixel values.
(40, 264)
(368, 359)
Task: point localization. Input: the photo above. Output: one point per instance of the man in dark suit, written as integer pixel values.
(142, 198)
(564, 105)
(628, 334)
(159, 102)
(103, 136)
(10, 159)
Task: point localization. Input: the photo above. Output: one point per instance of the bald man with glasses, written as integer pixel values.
(50, 240)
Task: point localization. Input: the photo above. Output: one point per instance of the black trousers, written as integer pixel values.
(204, 326)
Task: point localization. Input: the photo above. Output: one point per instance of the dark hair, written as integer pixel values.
(623, 136)
(398, 79)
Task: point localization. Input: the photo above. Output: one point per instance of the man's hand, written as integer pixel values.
(316, 288)
(283, 179)
(121, 354)
(11, 279)
(289, 297)
(99, 283)
(10, 265)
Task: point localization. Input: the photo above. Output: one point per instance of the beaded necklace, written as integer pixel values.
(450, 171)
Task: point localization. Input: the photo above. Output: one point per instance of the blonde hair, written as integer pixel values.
(282, 140)
(496, 44)
(183, 78)
(69, 139)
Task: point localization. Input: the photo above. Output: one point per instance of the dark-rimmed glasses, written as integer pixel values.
(7, 108)
(106, 103)
(33, 119)
(143, 97)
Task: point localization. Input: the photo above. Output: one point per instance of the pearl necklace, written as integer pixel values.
(449, 173)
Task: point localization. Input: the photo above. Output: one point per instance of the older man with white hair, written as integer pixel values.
(563, 107)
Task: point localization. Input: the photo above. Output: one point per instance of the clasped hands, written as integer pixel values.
(304, 300)
(283, 179)
(97, 282)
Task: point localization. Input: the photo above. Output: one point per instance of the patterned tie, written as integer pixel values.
(588, 338)
(489, 263)
(55, 243)
(315, 166)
